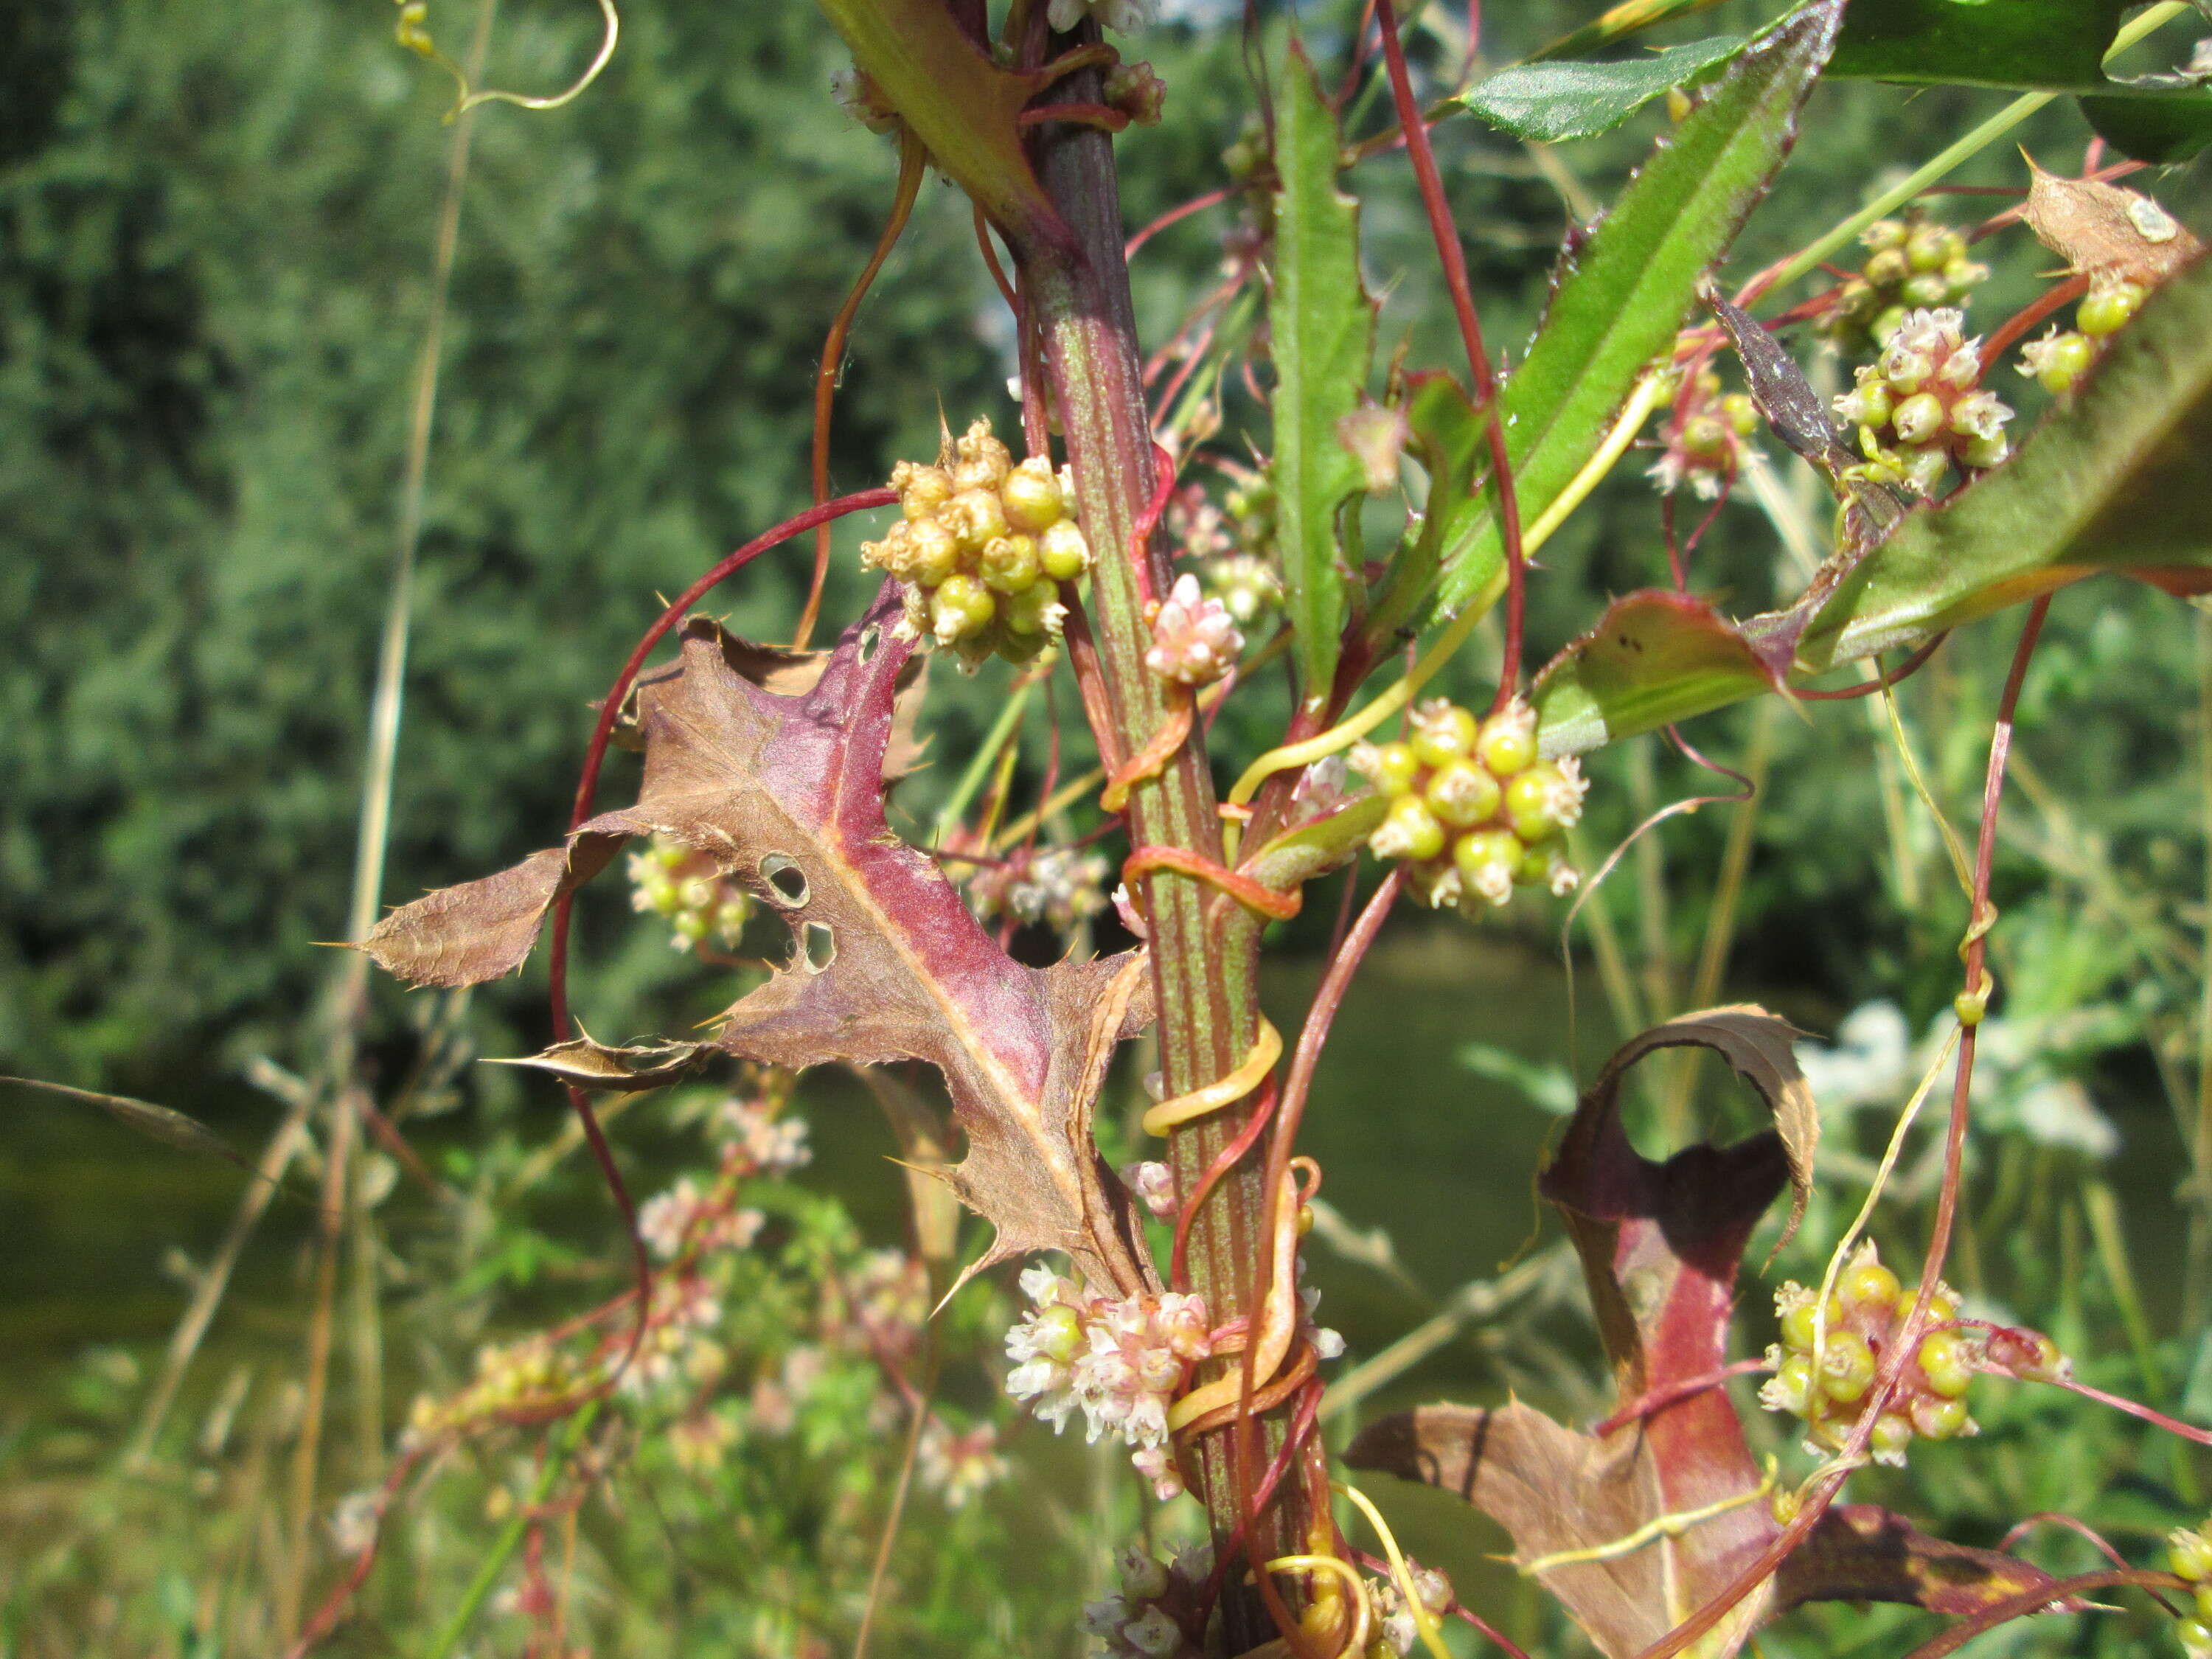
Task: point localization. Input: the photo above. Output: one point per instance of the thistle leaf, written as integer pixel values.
(785, 793)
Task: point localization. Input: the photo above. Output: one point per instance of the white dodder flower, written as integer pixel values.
(1195, 639)
(956, 1467)
(1399, 1628)
(1154, 1184)
(774, 1144)
(1146, 1619)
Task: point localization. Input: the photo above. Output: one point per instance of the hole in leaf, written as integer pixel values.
(787, 882)
(820, 945)
(868, 639)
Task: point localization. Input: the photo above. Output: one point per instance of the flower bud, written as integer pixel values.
(1442, 731)
(1918, 419)
(1508, 742)
(1461, 794)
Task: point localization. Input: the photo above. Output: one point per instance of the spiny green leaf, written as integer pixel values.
(1554, 101)
(2113, 481)
(1321, 326)
(2029, 46)
(1621, 294)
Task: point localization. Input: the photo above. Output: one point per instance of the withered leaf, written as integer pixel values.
(163, 1123)
(1556, 1490)
(483, 929)
(1863, 1553)
(2106, 231)
(590, 1064)
(1760, 1048)
(785, 793)
(1661, 1245)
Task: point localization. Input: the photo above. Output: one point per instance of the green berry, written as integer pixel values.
(1461, 794)
(1947, 1361)
(1027, 612)
(1064, 552)
(2106, 310)
(1884, 233)
(1868, 1284)
(1985, 452)
(1032, 496)
(1392, 767)
(1846, 1367)
(960, 608)
(2188, 1552)
(923, 491)
(1442, 733)
(1887, 268)
(932, 552)
(1482, 850)
(691, 925)
(1009, 564)
(1928, 289)
(2205, 1600)
(1706, 439)
(2063, 359)
(1410, 831)
(1797, 1325)
(975, 517)
(1539, 864)
(1507, 744)
(1741, 414)
(1794, 1377)
(1887, 324)
(1940, 1419)
(1057, 1332)
(1919, 419)
(1528, 803)
(2196, 1635)
(1926, 248)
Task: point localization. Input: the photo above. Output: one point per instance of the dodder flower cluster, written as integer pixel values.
(686, 888)
(1155, 1609)
(983, 548)
(1118, 1362)
(1863, 1317)
(1473, 812)
(2188, 1552)
(1195, 639)
(1919, 406)
(1910, 263)
(1706, 448)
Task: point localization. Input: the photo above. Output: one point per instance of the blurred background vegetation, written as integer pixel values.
(216, 229)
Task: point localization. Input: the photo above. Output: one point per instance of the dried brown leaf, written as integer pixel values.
(1863, 1553)
(785, 793)
(163, 1123)
(590, 1064)
(2106, 233)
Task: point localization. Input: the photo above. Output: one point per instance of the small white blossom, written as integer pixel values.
(957, 1466)
(1564, 793)
(1154, 1184)
(1195, 639)
(354, 1521)
(772, 1143)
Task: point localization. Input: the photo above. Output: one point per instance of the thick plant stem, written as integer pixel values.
(1208, 1008)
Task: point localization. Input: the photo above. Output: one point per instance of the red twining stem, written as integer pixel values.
(1478, 359)
(587, 786)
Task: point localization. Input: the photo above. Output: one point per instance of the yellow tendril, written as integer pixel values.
(416, 38)
(1424, 1622)
(1650, 393)
(1267, 1049)
(1364, 1624)
(1659, 1527)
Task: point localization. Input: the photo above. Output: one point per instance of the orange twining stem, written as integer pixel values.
(1267, 1049)
(1271, 902)
(1151, 760)
(1278, 1322)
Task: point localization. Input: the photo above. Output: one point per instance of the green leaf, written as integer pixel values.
(1553, 101)
(2029, 46)
(2113, 481)
(1622, 295)
(1321, 327)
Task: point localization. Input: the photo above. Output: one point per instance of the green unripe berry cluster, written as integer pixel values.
(1911, 264)
(1823, 1368)
(1473, 812)
(1920, 406)
(2107, 307)
(982, 546)
(685, 888)
(2188, 1553)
